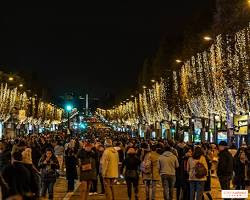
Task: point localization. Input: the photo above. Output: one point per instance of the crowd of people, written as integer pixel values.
(30, 165)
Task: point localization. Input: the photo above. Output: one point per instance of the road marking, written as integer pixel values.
(70, 194)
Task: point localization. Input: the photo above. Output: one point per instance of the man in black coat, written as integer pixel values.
(5, 156)
(17, 177)
(225, 166)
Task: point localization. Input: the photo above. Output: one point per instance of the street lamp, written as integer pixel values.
(132, 96)
(144, 86)
(20, 85)
(153, 81)
(68, 109)
(11, 78)
(207, 38)
(178, 60)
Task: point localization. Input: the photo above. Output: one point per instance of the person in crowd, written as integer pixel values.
(197, 169)
(155, 170)
(132, 165)
(44, 145)
(93, 188)
(214, 152)
(71, 169)
(120, 152)
(35, 175)
(146, 168)
(5, 156)
(36, 152)
(87, 162)
(109, 167)
(180, 184)
(207, 186)
(100, 153)
(247, 152)
(233, 149)
(167, 164)
(240, 164)
(17, 177)
(188, 152)
(48, 165)
(225, 166)
(59, 152)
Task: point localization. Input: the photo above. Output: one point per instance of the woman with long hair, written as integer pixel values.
(197, 169)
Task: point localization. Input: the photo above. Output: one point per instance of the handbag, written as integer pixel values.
(87, 166)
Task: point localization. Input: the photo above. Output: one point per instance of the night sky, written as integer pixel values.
(95, 48)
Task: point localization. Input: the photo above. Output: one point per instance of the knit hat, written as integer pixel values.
(223, 143)
(26, 156)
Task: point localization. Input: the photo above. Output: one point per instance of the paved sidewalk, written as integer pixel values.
(121, 192)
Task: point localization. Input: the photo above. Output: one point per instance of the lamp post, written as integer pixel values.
(68, 108)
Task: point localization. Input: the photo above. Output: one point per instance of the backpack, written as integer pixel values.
(146, 166)
(200, 170)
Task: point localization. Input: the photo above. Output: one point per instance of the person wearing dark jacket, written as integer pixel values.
(240, 163)
(17, 177)
(71, 171)
(87, 161)
(36, 153)
(48, 165)
(180, 184)
(225, 166)
(132, 164)
(184, 176)
(5, 156)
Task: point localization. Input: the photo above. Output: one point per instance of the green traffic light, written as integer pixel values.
(68, 108)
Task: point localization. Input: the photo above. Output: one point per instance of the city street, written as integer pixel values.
(121, 192)
(154, 95)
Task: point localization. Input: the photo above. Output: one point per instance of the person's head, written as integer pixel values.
(197, 153)
(108, 143)
(101, 148)
(88, 147)
(27, 156)
(131, 151)
(233, 146)
(154, 147)
(188, 152)
(167, 148)
(242, 155)
(49, 153)
(222, 146)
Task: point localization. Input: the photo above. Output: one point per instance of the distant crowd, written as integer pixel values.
(30, 165)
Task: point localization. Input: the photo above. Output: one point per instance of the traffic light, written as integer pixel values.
(69, 107)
